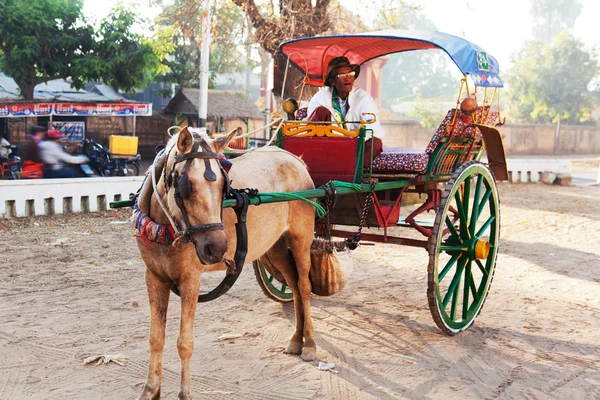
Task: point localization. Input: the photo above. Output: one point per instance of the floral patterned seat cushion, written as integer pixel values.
(401, 162)
(461, 126)
(417, 162)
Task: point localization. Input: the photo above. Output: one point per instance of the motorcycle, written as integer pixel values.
(105, 163)
(9, 154)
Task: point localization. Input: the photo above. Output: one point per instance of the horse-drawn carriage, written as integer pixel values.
(191, 201)
(462, 240)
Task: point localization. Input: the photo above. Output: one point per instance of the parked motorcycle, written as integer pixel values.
(9, 154)
(106, 164)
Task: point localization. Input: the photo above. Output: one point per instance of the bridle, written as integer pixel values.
(183, 187)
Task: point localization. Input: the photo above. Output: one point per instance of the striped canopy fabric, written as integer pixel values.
(311, 55)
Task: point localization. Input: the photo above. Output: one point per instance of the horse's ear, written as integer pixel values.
(221, 142)
(184, 141)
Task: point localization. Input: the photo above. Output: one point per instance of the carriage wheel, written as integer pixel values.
(270, 285)
(462, 253)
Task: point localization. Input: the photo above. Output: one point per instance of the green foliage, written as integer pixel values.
(553, 16)
(550, 81)
(42, 40)
(179, 24)
(125, 60)
(428, 112)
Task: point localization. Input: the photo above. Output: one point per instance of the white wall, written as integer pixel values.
(21, 198)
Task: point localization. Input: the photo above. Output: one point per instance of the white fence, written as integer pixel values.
(527, 170)
(21, 198)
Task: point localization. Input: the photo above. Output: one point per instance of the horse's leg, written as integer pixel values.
(280, 257)
(158, 296)
(300, 247)
(189, 287)
(300, 237)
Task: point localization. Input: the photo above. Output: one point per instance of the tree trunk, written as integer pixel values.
(298, 18)
(26, 90)
(557, 135)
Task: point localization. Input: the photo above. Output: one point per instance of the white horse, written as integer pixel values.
(282, 231)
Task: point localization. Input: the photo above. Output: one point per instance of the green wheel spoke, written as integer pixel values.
(455, 301)
(484, 200)
(270, 278)
(450, 264)
(453, 248)
(482, 268)
(452, 229)
(466, 194)
(466, 288)
(476, 204)
(485, 225)
(473, 289)
(462, 216)
(455, 281)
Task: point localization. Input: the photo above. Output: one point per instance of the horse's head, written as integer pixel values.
(196, 184)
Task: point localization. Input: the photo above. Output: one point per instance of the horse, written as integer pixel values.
(192, 196)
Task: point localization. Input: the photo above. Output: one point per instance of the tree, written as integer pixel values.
(179, 23)
(552, 16)
(549, 82)
(43, 40)
(291, 19)
(125, 60)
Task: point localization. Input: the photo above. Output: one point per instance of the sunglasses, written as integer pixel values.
(350, 74)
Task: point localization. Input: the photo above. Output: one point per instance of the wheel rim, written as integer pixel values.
(132, 170)
(464, 253)
(278, 290)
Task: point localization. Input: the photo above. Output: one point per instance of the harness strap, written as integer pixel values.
(241, 251)
(196, 154)
(202, 228)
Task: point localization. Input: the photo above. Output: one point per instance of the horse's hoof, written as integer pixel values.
(185, 395)
(309, 354)
(147, 395)
(293, 348)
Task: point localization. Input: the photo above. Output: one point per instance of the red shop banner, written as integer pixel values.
(75, 109)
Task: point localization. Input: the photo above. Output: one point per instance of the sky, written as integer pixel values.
(499, 27)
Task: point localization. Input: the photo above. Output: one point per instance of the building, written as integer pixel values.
(227, 110)
(97, 113)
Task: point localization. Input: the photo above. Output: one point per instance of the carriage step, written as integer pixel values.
(424, 222)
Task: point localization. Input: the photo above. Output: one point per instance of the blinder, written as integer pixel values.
(183, 186)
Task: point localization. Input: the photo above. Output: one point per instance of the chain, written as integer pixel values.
(353, 242)
(330, 201)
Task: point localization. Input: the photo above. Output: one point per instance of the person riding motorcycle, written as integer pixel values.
(54, 157)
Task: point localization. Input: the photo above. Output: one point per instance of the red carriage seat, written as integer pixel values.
(416, 162)
(326, 150)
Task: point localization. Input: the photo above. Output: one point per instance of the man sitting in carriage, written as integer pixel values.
(340, 100)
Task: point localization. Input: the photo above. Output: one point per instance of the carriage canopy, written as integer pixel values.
(311, 55)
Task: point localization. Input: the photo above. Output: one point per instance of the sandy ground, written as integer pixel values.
(72, 287)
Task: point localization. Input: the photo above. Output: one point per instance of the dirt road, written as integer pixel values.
(72, 287)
